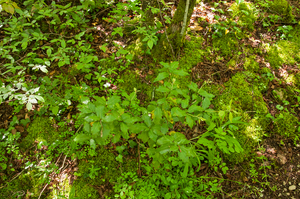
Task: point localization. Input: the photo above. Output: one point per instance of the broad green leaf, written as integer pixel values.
(106, 130)
(190, 121)
(100, 111)
(185, 103)
(87, 127)
(205, 103)
(144, 136)
(162, 89)
(157, 115)
(113, 100)
(82, 138)
(109, 118)
(161, 76)
(49, 51)
(92, 144)
(194, 108)
(183, 156)
(29, 106)
(164, 140)
(180, 72)
(205, 94)
(124, 129)
(193, 86)
(208, 143)
(55, 109)
(146, 118)
(164, 149)
(63, 43)
(150, 43)
(176, 111)
(230, 117)
(96, 128)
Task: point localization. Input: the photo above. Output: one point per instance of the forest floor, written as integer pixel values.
(273, 168)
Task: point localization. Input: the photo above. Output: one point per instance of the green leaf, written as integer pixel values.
(82, 138)
(143, 136)
(221, 114)
(185, 171)
(150, 43)
(164, 140)
(63, 43)
(96, 128)
(55, 110)
(157, 115)
(180, 72)
(100, 111)
(146, 118)
(193, 86)
(49, 51)
(162, 89)
(185, 103)
(176, 111)
(194, 108)
(205, 103)
(113, 100)
(205, 94)
(230, 116)
(29, 106)
(109, 118)
(92, 144)
(8, 8)
(124, 129)
(190, 121)
(161, 76)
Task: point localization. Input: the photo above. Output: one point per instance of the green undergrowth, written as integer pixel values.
(285, 51)
(24, 185)
(107, 168)
(226, 45)
(282, 8)
(247, 102)
(246, 13)
(286, 125)
(40, 130)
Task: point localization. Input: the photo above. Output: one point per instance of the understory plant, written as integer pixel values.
(120, 117)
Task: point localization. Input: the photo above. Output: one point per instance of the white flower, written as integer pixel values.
(41, 67)
(106, 85)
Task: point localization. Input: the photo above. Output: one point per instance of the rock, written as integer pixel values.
(292, 187)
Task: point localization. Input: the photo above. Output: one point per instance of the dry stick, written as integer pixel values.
(173, 53)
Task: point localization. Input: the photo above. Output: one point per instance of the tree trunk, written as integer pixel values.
(169, 45)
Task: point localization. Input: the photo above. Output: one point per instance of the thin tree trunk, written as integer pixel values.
(173, 40)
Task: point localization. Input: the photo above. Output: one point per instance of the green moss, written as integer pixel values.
(286, 125)
(226, 45)
(251, 64)
(110, 170)
(17, 187)
(246, 13)
(192, 53)
(132, 80)
(247, 101)
(282, 8)
(40, 130)
(283, 52)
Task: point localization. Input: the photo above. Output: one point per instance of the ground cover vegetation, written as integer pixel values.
(149, 99)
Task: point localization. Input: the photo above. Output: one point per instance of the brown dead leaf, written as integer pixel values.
(19, 129)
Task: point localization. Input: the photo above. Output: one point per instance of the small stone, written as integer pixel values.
(284, 189)
(279, 195)
(290, 183)
(292, 187)
(287, 194)
(284, 183)
(298, 165)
